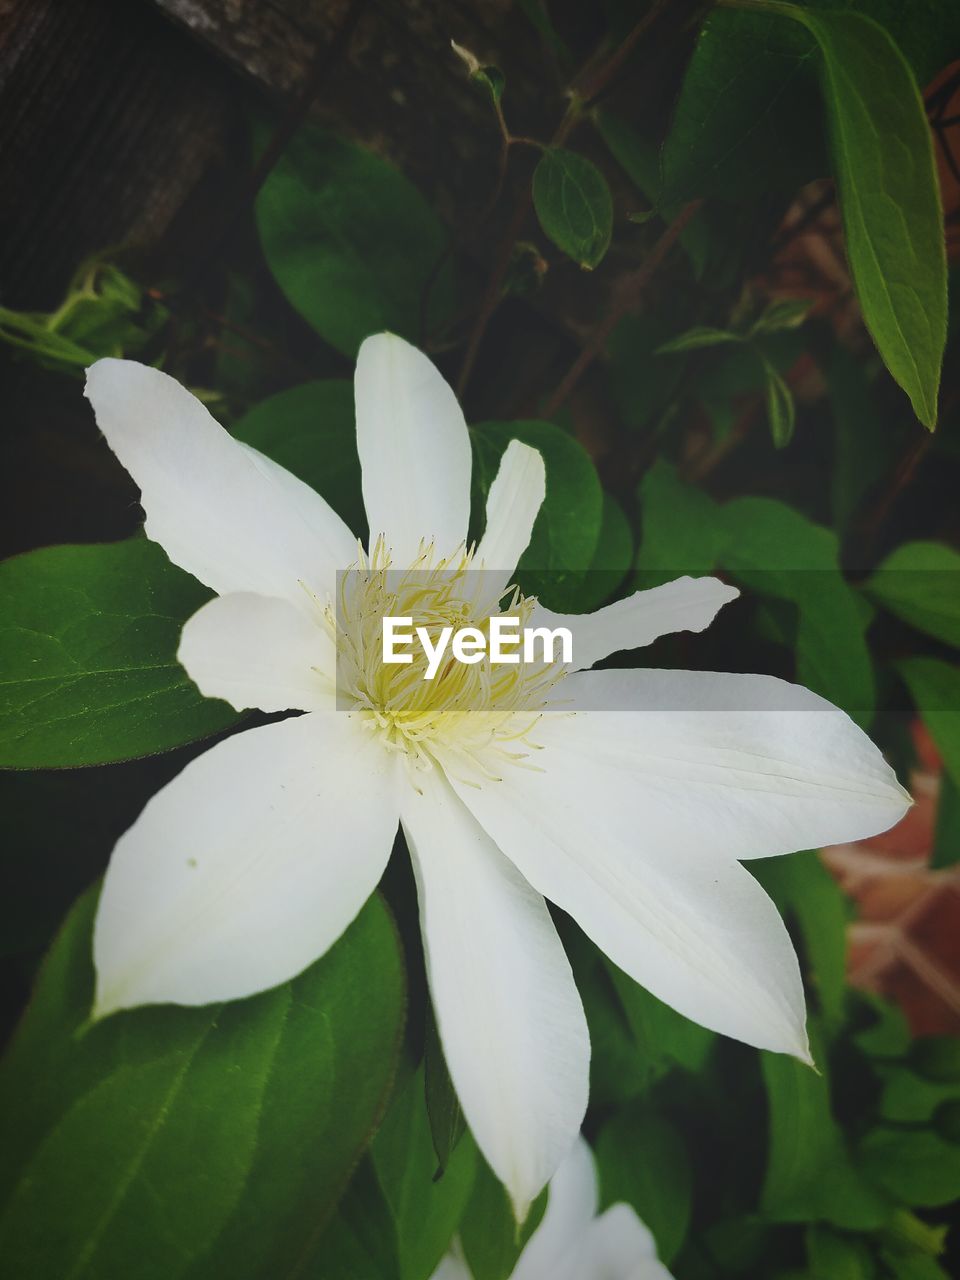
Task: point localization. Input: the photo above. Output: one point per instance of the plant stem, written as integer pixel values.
(627, 297)
(580, 99)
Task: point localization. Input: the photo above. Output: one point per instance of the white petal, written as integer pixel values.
(687, 604)
(257, 651)
(513, 502)
(571, 1204)
(746, 765)
(694, 928)
(508, 1012)
(617, 1246)
(414, 450)
(219, 509)
(452, 1268)
(247, 866)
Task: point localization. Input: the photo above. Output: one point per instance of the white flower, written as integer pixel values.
(571, 1242)
(253, 861)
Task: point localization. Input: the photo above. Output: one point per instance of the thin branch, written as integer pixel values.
(627, 298)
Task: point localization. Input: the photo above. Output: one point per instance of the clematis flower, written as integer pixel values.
(571, 1242)
(254, 859)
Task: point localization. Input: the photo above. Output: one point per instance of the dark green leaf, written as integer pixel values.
(781, 410)
(935, 688)
(697, 339)
(360, 1240)
(567, 530)
(612, 558)
(810, 1176)
(350, 241)
(802, 887)
(426, 1210)
(785, 314)
(773, 550)
(88, 666)
(174, 1142)
(311, 430)
(488, 1231)
(640, 160)
(837, 1257)
(908, 1098)
(915, 1167)
(867, 443)
(746, 122)
(937, 1058)
(447, 1125)
(642, 1160)
(946, 837)
(574, 205)
(920, 583)
(663, 1037)
(889, 196)
(887, 1035)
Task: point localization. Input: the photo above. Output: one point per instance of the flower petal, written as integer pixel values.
(746, 765)
(452, 1268)
(219, 509)
(513, 502)
(617, 1246)
(508, 1012)
(571, 1204)
(257, 651)
(247, 866)
(694, 928)
(414, 450)
(687, 604)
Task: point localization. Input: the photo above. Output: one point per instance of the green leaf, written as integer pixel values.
(887, 1035)
(425, 1209)
(886, 176)
(350, 241)
(867, 441)
(488, 1231)
(311, 430)
(910, 1099)
(916, 1167)
(781, 410)
(773, 550)
(88, 665)
(612, 557)
(574, 205)
(171, 1142)
(698, 338)
(836, 1257)
(360, 1240)
(640, 161)
(937, 1058)
(785, 314)
(447, 1124)
(746, 121)
(663, 1037)
(567, 530)
(920, 583)
(643, 1161)
(935, 688)
(810, 1175)
(946, 836)
(802, 887)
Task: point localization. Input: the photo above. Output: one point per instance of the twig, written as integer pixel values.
(580, 99)
(627, 298)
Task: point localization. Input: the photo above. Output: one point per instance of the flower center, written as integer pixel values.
(482, 711)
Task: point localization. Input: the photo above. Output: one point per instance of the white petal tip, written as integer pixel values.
(521, 1209)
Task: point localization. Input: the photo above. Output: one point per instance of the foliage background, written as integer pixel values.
(707, 396)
